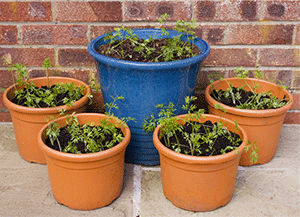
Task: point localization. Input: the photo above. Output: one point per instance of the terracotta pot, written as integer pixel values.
(199, 183)
(85, 181)
(261, 125)
(27, 121)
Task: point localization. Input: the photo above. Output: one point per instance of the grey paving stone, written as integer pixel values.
(265, 190)
(25, 188)
(271, 189)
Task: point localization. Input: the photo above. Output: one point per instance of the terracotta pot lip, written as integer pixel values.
(201, 159)
(68, 157)
(51, 110)
(248, 112)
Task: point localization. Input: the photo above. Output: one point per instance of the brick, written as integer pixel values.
(6, 79)
(292, 118)
(110, 11)
(296, 103)
(200, 102)
(2, 106)
(231, 57)
(248, 10)
(4, 112)
(54, 34)
(25, 11)
(281, 10)
(75, 57)
(230, 10)
(213, 34)
(297, 38)
(199, 32)
(8, 35)
(296, 80)
(285, 76)
(259, 34)
(204, 77)
(100, 30)
(205, 10)
(5, 116)
(28, 56)
(152, 10)
(97, 103)
(270, 75)
(79, 74)
(279, 57)
(231, 74)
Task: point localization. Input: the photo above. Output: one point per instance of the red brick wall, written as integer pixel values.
(253, 33)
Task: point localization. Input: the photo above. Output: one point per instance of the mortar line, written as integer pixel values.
(224, 46)
(245, 168)
(137, 175)
(152, 168)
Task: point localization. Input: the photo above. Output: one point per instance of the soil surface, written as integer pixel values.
(64, 137)
(220, 143)
(138, 57)
(245, 95)
(59, 97)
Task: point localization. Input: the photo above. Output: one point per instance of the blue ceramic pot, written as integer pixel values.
(144, 85)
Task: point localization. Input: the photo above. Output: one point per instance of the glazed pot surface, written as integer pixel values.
(144, 85)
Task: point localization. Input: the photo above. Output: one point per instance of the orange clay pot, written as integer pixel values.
(85, 181)
(199, 183)
(261, 125)
(27, 121)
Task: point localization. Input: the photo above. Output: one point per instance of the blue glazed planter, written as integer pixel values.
(144, 85)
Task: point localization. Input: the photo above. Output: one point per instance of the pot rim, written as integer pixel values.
(202, 159)
(148, 66)
(51, 110)
(69, 157)
(248, 112)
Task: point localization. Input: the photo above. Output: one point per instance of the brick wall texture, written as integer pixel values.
(256, 34)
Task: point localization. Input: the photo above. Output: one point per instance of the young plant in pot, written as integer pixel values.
(199, 156)
(31, 101)
(258, 106)
(148, 67)
(85, 158)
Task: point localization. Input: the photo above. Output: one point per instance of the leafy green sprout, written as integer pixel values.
(93, 136)
(47, 65)
(220, 107)
(32, 96)
(254, 151)
(253, 147)
(161, 21)
(170, 124)
(174, 47)
(114, 105)
(257, 100)
(215, 76)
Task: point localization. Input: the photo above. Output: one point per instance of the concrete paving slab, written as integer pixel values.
(271, 189)
(25, 188)
(265, 190)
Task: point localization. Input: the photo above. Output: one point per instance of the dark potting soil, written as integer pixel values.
(220, 143)
(245, 95)
(58, 99)
(64, 137)
(138, 57)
